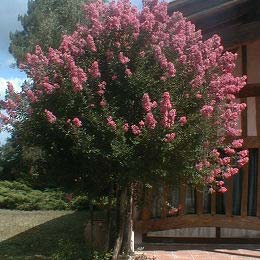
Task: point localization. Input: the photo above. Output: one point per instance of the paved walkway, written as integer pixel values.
(201, 252)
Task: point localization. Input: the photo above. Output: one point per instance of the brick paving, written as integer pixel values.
(200, 252)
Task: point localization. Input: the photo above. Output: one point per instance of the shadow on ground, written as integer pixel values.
(47, 238)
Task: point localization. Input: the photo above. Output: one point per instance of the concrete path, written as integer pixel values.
(200, 251)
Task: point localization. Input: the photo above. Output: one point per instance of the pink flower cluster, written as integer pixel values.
(49, 116)
(168, 114)
(147, 104)
(169, 137)
(77, 122)
(94, 70)
(111, 123)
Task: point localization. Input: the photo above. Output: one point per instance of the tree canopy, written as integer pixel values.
(44, 23)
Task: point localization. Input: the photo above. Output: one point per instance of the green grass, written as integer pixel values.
(28, 234)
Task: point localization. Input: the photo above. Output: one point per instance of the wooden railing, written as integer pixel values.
(204, 216)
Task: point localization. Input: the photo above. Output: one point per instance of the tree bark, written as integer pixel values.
(128, 240)
(122, 222)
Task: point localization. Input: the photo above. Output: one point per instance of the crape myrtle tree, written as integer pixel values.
(133, 97)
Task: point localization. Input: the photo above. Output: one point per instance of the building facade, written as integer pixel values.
(235, 216)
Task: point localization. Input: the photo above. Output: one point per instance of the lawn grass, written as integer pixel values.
(27, 234)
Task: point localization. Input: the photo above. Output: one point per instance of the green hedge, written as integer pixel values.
(16, 195)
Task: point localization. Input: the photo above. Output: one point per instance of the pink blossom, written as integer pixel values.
(77, 122)
(10, 88)
(183, 120)
(94, 70)
(199, 166)
(141, 124)
(90, 43)
(50, 117)
(222, 189)
(147, 104)
(169, 137)
(198, 96)
(123, 59)
(229, 151)
(126, 127)
(111, 123)
(128, 72)
(207, 111)
(102, 103)
(135, 130)
(150, 121)
(237, 143)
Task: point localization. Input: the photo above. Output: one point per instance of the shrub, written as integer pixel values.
(16, 195)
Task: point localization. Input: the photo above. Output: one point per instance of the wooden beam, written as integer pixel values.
(208, 12)
(239, 33)
(199, 202)
(250, 90)
(191, 221)
(244, 191)
(163, 241)
(251, 142)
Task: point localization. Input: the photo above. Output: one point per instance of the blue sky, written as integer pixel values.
(9, 11)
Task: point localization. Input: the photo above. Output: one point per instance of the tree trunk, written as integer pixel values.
(122, 222)
(109, 222)
(128, 239)
(91, 226)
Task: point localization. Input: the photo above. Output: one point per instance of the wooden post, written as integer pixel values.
(244, 100)
(147, 210)
(165, 197)
(229, 198)
(199, 202)
(257, 103)
(244, 191)
(244, 118)
(182, 199)
(213, 203)
(258, 186)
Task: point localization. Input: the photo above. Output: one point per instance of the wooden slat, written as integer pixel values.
(213, 203)
(244, 119)
(258, 187)
(218, 230)
(182, 199)
(199, 202)
(244, 191)
(229, 198)
(165, 197)
(257, 104)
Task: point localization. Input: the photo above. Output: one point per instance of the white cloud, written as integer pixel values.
(17, 83)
